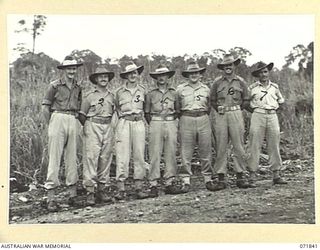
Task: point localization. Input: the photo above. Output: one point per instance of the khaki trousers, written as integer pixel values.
(97, 155)
(63, 133)
(192, 130)
(264, 126)
(230, 126)
(162, 139)
(130, 139)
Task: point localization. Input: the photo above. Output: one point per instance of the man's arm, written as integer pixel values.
(47, 103)
(85, 105)
(213, 96)
(147, 108)
(46, 113)
(177, 105)
(245, 95)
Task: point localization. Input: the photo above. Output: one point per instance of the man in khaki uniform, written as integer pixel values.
(96, 112)
(130, 131)
(229, 95)
(160, 112)
(60, 109)
(265, 100)
(194, 124)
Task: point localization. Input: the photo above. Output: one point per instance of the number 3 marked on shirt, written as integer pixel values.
(138, 98)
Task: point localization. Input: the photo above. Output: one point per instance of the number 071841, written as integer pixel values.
(308, 246)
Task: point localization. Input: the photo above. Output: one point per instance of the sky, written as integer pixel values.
(268, 37)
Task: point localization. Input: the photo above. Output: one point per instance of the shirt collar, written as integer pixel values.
(97, 90)
(260, 84)
(191, 85)
(168, 88)
(74, 82)
(234, 77)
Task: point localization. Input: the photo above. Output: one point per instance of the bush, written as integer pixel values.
(28, 136)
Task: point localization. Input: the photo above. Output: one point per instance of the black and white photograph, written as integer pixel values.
(161, 119)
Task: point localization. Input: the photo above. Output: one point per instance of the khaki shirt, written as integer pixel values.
(60, 97)
(193, 99)
(265, 98)
(98, 103)
(158, 102)
(130, 101)
(229, 93)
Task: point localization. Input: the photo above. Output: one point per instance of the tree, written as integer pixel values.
(90, 59)
(39, 22)
(304, 56)
(240, 52)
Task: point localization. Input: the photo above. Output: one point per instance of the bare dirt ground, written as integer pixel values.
(292, 203)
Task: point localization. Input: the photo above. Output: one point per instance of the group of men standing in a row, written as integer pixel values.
(170, 113)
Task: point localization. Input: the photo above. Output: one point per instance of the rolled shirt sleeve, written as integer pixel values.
(49, 97)
(85, 105)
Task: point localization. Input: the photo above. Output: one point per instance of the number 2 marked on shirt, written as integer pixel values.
(101, 100)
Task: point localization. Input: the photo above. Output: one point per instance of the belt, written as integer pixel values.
(265, 111)
(68, 112)
(163, 118)
(100, 120)
(133, 117)
(194, 113)
(232, 108)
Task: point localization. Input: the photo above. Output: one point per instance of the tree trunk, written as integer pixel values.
(34, 34)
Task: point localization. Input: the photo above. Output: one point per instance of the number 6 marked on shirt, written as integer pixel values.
(230, 91)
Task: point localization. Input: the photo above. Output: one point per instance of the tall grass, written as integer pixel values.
(28, 134)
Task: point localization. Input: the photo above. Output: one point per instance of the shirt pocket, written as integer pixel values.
(201, 97)
(125, 105)
(187, 99)
(273, 96)
(156, 104)
(168, 103)
(138, 101)
(237, 93)
(61, 97)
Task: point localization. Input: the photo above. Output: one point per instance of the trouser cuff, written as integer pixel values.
(153, 183)
(252, 175)
(120, 185)
(51, 194)
(72, 190)
(90, 189)
(186, 180)
(276, 174)
(207, 178)
(138, 184)
(169, 181)
(101, 186)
